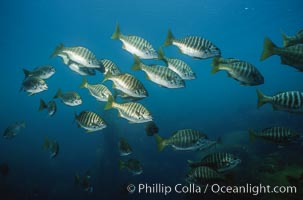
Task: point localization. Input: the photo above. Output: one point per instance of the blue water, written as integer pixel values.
(214, 104)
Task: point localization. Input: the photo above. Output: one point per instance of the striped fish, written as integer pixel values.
(43, 72)
(135, 45)
(194, 46)
(69, 98)
(219, 161)
(178, 66)
(290, 101)
(161, 75)
(127, 84)
(277, 134)
(242, 71)
(110, 67)
(90, 121)
(77, 54)
(99, 91)
(185, 139)
(204, 175)
(132, 111)
(292, 40)
(290, 55)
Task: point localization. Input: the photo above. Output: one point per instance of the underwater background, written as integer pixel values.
(214, 104)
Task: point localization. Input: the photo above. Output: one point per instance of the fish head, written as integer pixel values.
(214, 51)
(144, 115)
(176, 82)
(257, 78)
(42, 85)
(94, 63)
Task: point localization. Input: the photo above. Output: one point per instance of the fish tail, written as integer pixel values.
(160, 142)
(107, 77)
(26, 72)
(269, 49)
(137, 63)
(252, 134)
(216, 65)
(110, 102)
(117, 33)
(161, 54)
(42, 105)
(121, 164)
(58, 94)
(285, 39)
(46, 143)
(169, 38)
(84, 83)
(57, 50)
(262, 99)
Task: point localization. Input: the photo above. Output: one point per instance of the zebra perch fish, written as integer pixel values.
(185, 139)
(160, 75)
(128, 85)
(178, 66)
(194, 46)
(290, 101)
(135, 45)
(110, 67)
(276, 134)
(292, 40)
(290, 55)
(204, 175)
(79, 55)
(219, 161)
(132, 111)
(90, 121)
(99, 91)
(242, 71)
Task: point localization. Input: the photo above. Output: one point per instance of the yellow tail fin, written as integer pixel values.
(160, 142)
(269, 49)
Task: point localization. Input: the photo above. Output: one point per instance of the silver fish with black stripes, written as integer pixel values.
(193, 46)
(178, 66)
(185, 139)
(79, 55)
(135, 45)
(90, 121)
(99, 91)
(242, 71)
(290, 101)
(277, 134)
(161, 75)
(127, 84)
(219, 161)
(110, 67)
(132, 111)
